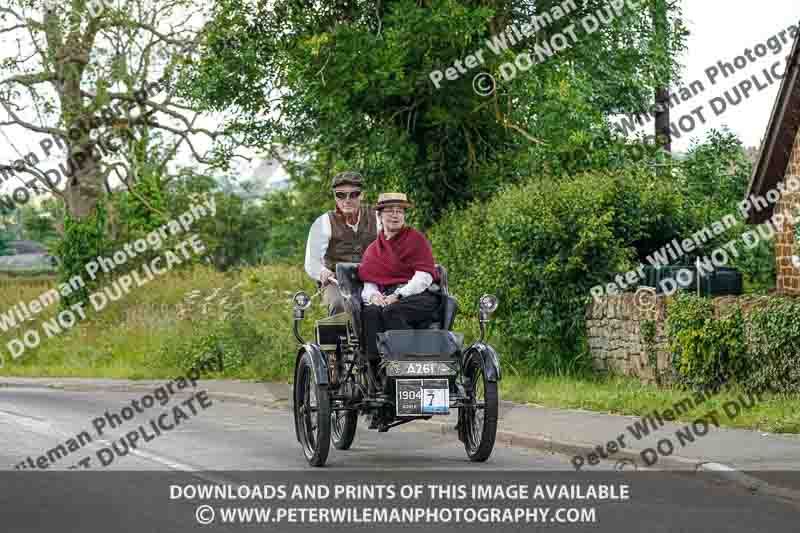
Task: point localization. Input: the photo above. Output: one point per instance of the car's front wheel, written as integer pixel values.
(480, 418)
(312, 413)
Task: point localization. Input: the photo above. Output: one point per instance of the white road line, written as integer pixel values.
(43, 427)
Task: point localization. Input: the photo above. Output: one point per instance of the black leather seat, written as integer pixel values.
(350, 285)
(449, 304)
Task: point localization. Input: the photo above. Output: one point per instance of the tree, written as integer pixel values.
(661, 43)
(38, 225)
(98, 80)
(351, 82)
(236, 235)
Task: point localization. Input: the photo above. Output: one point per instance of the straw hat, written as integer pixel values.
(389, 199)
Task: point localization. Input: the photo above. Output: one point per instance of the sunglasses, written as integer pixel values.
(344, 196)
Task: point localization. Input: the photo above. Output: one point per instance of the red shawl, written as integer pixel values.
(393, 261)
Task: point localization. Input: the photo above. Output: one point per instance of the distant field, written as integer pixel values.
(141, 334)
(21, 274)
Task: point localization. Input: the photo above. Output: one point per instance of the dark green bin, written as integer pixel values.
(723, 281)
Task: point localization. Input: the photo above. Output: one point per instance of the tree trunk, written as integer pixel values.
(662, 40)
(663, 138)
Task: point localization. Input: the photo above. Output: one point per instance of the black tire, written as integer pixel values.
(343, 428)
(312, 413)
(480, 425)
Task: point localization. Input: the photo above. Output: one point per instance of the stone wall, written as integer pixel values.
(614, 331)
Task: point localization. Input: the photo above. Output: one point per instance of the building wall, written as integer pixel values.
(788, 273)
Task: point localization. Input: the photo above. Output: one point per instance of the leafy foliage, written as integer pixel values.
(5, 243)
(716, 173)
(773, 339)
(83, 241)
(38, 225)
(542, 245)
(235, 341)
(235, 235)
(758, 350)
(648, 335)
(714, 353)
(714, 177)
(350, 81)
(685, 313)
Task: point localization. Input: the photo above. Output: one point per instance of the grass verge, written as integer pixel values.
(628, 396)
(161, 329)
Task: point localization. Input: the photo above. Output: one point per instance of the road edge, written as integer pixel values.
(720, 472)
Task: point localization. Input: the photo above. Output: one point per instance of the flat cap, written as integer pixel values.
(347, 178)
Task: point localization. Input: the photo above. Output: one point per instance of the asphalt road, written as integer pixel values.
(225, 436)
(231, 443)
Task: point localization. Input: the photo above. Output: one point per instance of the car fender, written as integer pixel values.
(318, 359)
(491, 361)
(320, 364)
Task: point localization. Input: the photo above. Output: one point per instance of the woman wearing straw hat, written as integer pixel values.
(397, 269)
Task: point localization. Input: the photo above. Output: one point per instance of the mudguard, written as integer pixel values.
(320, 364)
(491, 361)
(319, 360)
(491, 368)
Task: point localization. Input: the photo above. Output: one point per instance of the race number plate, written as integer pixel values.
(421, 397)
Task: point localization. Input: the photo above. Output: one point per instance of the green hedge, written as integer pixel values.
(540, 246)
(759, 351)
(773, 335)
(706, 351)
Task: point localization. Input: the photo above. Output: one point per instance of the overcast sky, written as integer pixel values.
(720, 30)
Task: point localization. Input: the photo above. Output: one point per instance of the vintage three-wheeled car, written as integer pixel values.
(422, 373)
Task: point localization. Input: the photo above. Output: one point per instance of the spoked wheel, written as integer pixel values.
(312, 413)
(480, 419)
(343, 428)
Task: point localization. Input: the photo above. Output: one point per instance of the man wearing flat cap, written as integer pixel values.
(340, 236)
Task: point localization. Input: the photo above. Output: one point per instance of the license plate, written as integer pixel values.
(421, 397)
(414, 368)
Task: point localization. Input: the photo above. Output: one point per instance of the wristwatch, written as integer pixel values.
(399, 295)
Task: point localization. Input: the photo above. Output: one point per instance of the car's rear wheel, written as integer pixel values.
(343, 428)
(480, 418)
(312, 413)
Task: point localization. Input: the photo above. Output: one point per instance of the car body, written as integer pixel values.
(424, 373)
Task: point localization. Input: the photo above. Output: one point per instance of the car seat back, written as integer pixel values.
(350, 285)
